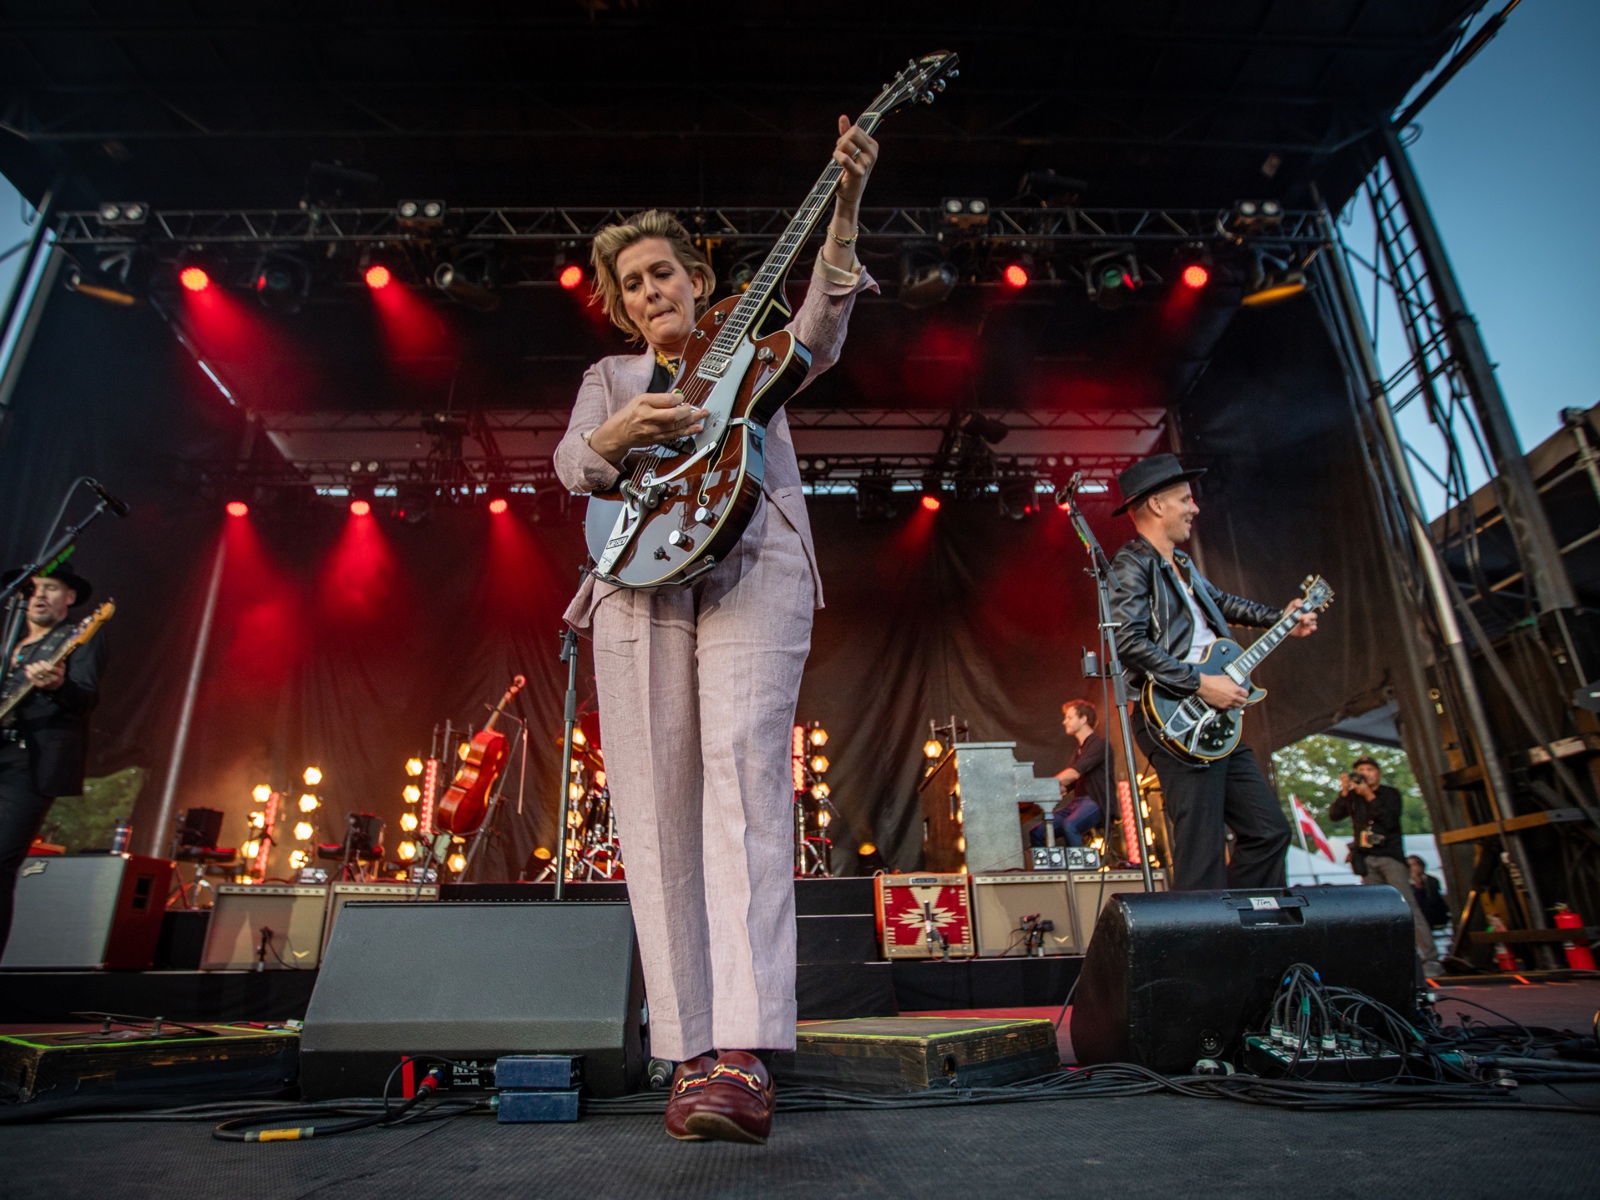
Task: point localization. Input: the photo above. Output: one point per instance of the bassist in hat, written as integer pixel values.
(44, 740)
(1167, 614)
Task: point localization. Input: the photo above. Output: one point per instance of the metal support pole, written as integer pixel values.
(1494, 777)
(41, 226)
(156, 839)
(1524, 515)
(569, 655)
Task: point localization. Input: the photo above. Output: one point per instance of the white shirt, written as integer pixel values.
(1204, 635)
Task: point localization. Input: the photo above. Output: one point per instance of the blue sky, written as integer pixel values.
(1510, 158)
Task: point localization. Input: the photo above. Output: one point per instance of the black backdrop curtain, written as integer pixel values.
(340, 644)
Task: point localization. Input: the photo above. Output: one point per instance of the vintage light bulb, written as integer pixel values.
(819, 763)
(407, 850)
(303, 831)
(457, 863)
(824, 819)
(312, 776)
(258, 820)
(578, 738)
(932, 748)
(408, 821)
(575, 790)
(463, 750)
(413, 766)
(308, 803)
(298, 859)
(599, 779)
(412, 793)
(819, 737)
(262, 792)
(251, 848)
(820, 791)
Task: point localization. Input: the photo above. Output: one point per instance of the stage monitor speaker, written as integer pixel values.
(290, 914)
(1000, 902)
(1174, 977)
(474, 981)
(1092, 889)
(87, 911)
(340, 894)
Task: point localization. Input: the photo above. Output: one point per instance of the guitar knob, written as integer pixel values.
(765, 354)
(702, 515)
(680, 539)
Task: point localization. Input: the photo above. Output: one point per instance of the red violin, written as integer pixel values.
(462, 808)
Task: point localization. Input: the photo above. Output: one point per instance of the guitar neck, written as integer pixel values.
(1264, 645)
(767, 280)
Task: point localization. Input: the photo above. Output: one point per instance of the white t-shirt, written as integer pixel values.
(1204, 635)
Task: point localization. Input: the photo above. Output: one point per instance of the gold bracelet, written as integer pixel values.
(845, 242)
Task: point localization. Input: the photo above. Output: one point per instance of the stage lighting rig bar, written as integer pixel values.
(1041, 227)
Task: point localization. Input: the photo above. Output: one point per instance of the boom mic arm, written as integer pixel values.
(1069, 490)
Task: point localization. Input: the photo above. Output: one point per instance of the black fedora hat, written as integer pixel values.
(66, 575)
(1150, 475)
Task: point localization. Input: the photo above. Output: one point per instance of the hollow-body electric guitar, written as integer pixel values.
(684, 506)
(1194, 730)
(462, 809)
(81, 633)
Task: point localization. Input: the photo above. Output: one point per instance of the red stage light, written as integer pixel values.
(931, 503)
(195, 279)
(1195, 276)
(1016, 275)
(378, 276)
(498, 505)
(238, 508)
(571, 276)
(360, 508)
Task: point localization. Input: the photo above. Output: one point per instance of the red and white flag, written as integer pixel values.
(1309, 827)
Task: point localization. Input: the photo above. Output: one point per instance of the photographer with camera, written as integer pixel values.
(1377, 850)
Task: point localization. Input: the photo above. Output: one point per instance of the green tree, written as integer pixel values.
(1311, 767)
(85, 822)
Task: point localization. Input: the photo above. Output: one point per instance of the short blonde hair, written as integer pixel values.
(614, 239)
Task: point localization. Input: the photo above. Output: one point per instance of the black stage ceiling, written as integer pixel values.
(178, 103)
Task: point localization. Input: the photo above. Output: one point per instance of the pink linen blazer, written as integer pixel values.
(820, 323)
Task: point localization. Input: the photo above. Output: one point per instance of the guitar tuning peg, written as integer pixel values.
(926, 98)
(953, 74)
(938, 85)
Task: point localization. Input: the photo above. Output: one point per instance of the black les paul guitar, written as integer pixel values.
(1194, 730)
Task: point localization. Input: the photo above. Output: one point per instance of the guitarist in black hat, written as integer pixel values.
(44, 740)
(1167, 615)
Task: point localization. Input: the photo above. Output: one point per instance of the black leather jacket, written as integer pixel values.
(1154, 626)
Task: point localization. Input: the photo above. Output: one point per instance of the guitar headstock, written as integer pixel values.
(90, 624)
(1318, 593)
(921, 80)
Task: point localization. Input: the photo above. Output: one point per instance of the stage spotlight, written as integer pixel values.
(73, 282)
(408, 822)
(869, 860)
(821, 791)
(499, 505)
(303, 831)
(122, 212)
(361, 495)
(411, 793)
(1271, 279)
(360, 508)
(1111, 278)
(238, 508)
(454, 280)
(925, 282)
(965, 214)
(932, 748)
(194, 279)
(308, 803)
(1195, 276)
(406, 850)
(819, 764)
(378, 276)
(280, 282)
(1016, 275)
(571, 276)
(457, 862)
(931, 502)
(1019, 498)
(420, 214)
(874, 498)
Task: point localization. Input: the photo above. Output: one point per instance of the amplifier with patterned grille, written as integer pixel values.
(913, 907)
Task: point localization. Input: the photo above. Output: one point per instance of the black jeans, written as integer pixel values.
(1203, 803)
(22, 811)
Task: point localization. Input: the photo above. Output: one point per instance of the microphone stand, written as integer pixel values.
(569, 655)
(1111, 664)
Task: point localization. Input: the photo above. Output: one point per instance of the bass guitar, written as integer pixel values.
(81, 633)
(1194, 730)
(467, 799)
(684, 506)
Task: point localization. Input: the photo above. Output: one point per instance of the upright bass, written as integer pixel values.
(464, 804)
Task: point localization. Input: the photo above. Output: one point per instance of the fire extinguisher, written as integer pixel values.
(1579, 956)
(1503, 957)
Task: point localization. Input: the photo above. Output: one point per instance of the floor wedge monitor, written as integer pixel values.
(472, 981)
(1174, 977)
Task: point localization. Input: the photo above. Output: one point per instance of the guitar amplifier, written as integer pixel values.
(87, 912)
(1002, 904)
(908, 903)
(291, 915)
(1091, 890)
(341, 893)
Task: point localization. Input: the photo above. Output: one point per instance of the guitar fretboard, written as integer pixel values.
(777, 263)
(1239, 670)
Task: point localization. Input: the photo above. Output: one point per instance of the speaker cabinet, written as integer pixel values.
(1175, 977)
(1091, 890)
(1001, 902)
(474, 981)
(341, 894)
(291, 914)
(87, 911)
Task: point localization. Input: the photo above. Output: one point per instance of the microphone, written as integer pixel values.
(117, 506)
(1069, 490)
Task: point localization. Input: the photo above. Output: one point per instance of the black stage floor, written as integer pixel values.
(1163, 1147)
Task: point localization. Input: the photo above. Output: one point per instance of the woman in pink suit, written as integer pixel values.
(697, 685)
